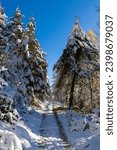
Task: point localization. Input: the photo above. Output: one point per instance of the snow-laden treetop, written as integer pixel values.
(79, 38)
(2, 15)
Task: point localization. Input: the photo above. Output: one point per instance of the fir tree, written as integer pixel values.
(3, 37)
(17, 58)
(37, 63)
(6, 99)
(23, 67)
(78, 61)
(2, 16)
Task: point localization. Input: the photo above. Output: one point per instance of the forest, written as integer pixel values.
(29, 103)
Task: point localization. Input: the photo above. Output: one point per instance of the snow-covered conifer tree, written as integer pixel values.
(17, 57)
(6, 99)
(23, 63)
(3, 37)
(38, 81)
(2, 16)
(76, 65)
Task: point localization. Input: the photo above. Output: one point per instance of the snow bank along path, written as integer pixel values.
(9, 140)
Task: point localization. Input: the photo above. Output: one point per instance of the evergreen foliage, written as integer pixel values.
(23, 67)
(77, 71)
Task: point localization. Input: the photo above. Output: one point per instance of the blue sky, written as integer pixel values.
(54, 21)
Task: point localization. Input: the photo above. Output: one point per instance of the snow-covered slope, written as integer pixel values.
(24, 133)
(82, 130)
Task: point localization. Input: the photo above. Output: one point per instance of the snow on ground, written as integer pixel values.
(27, 131)
(82, 130)
(5, 143)
(48, 130)
(49, 105)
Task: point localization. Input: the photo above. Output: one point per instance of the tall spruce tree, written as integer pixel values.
(6, 99)
(28, 65)
(78, 62)
(2, 16)
(3, 37)
(23, 67)
(16, 54)
(37, 63)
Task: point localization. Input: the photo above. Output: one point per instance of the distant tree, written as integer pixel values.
(92, 36)
(78, 61)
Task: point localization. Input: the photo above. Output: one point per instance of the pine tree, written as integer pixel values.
(2, 16)
(23, 67)
(6, 99)
(3, 37)
(17, 58)
(27, 66)
(37, 63)
(78, 61)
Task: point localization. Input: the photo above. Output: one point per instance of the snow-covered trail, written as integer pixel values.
(65, 131)
(52, 133)
(48, 130)
(62, 133)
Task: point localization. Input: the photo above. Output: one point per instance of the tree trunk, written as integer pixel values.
(77, 58)
(72, 91)
(91, 92)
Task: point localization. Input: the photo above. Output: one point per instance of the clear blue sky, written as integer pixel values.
(54, 21)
